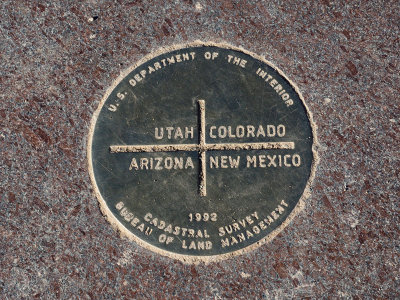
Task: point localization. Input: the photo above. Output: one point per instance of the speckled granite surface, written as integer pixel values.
(58, 58)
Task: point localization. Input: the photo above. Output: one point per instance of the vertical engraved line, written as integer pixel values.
(202, 151)
(202, 138)
(203, 187)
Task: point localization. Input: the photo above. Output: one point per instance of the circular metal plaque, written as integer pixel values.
(202, 151)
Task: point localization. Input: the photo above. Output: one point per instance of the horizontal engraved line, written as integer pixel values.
(196, 147)
(250, 146)
(153, 148)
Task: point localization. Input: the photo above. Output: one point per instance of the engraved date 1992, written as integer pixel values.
(205, 217)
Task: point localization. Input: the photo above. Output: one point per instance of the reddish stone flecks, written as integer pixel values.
(58, 58)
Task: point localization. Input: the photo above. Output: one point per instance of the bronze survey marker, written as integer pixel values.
(201, 152)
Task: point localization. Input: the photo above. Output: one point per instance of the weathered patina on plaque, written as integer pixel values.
(201, 152)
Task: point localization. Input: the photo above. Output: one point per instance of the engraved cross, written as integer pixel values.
(202, 147)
